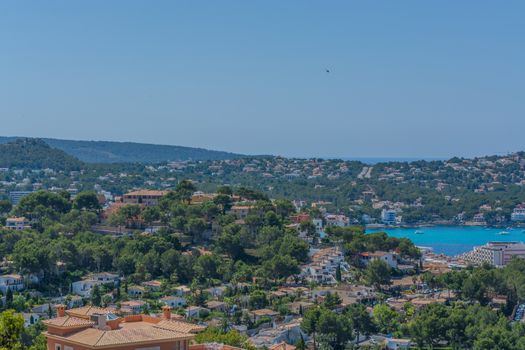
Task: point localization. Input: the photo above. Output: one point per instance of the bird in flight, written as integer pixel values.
(327, 70)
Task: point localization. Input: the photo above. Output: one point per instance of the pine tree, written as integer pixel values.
(96, 297)
(300, 345)
(9, 298)
(338, 273)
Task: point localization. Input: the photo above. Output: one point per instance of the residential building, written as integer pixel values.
(496, 254)
(318, 223)
(337, 220)
(194, 311)
(518, 214)
(15, 223)
(11, 282)
(479, 218)
(388, 216)
(300, 307)
(16, 196)
(213, 346)
(182, 290)
(216, 306)
(153, 285)
(289, 333)
(132, 306)
(102, 329)
(390, 258)
(86, 285)
(144, 197)
(301, 217)
(136, 291)
(282, 346)
(30, 318)
(256, 315)
(201, 197)
(395, 344)
(241, 211)
(323, 266)
(173, 301)
(217, 291)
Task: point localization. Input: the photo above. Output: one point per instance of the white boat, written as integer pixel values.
(503, 233)
(419, 232)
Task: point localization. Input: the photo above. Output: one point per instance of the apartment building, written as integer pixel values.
(144, 197)
(518, 214)
(496, 254)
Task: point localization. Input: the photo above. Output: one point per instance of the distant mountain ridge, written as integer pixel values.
(128, 152)
(26, 153)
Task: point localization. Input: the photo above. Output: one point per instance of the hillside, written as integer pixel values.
(27, 153)
(129, 152)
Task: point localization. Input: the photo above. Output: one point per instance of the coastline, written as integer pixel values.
(443, 224)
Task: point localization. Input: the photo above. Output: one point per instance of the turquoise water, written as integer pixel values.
(453, 240)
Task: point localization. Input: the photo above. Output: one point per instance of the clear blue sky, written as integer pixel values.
(408, 78)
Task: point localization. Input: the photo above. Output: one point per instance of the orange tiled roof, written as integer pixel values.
(68, 321)
(96, 338)
(87, 311)
(179, 326)
(147, 193)
(282, 346)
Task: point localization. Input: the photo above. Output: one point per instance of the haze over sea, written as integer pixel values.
(454, 240)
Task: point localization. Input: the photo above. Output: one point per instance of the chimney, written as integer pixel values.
(100, 321)
(166, 311)
(61, 310)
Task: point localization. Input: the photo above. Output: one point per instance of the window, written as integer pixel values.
(58, 347)
(68, 347)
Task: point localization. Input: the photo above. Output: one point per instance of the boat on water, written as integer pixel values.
(503, 233)
(419, 232)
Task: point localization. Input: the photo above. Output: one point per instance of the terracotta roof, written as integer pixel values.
(97, 338)
(139, 329)
(282, 346)
(147, 193)
(87, 311)
(21, 219)
(375, 254)
(265, 312)
(179, 326)
(68, 321)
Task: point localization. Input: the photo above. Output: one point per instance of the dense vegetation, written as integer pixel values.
(35, 154)
(129, 152)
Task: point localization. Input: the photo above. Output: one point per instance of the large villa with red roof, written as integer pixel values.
(88, 328)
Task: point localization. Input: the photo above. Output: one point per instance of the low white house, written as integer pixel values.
(182, 291)
(30, 318)
(394, 344)
(86, 285)
(132, 306)
(13, 282)
(322, 269)
(193, 311)
(20, 223)
(173, 301)
(389, 258)
(136, 291)
(216, 292)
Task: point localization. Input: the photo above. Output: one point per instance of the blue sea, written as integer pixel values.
(454, 240)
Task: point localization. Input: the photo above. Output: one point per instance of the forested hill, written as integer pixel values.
(129, 152)
(35, 154)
